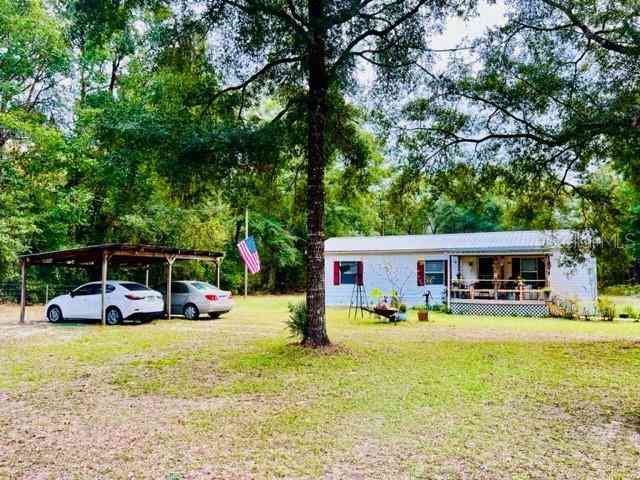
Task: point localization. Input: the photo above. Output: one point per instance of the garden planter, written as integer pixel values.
(423, 315)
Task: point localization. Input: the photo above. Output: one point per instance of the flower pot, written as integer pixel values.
(423, 315)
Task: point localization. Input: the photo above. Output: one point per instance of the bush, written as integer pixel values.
(631, 312)
(298, 320)
(607, 309)
(402, 308)
(622, 290)
(376, 293)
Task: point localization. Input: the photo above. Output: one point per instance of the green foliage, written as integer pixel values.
(622, 290)
(606, 309)
(297, 323)
(376, 294)
(631, 312)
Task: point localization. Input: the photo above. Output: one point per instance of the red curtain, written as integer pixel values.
(360, 273)
(336, 273)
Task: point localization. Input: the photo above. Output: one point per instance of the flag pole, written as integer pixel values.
(246, 235)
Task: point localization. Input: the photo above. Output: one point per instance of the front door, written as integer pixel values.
(485, 268)
(78, 306)
(92, 302)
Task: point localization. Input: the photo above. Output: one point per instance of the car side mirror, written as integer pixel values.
(72, 294)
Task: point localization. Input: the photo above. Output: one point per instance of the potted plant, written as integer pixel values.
(423, 313)
(546, 291)
(402, 312)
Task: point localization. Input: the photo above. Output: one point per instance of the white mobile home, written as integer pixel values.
(508, 273)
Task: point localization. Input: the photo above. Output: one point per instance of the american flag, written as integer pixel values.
(249, 254)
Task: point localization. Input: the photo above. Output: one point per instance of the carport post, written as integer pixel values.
(170, 261)
(146, 276)
(218, 262)
(103, 300)
(23, 289)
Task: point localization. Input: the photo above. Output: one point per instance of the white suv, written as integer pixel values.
(124, 300)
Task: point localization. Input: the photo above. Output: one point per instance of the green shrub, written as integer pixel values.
(607, 309)
(298, 320)
(622, 290)
(402, 308)
(376, 293)
(395, 299)
(631, 312)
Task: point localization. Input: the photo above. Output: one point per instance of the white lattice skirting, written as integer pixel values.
(501, 309)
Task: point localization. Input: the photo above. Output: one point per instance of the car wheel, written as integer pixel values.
(113, 316)
(215, 315)
(54, 314)
(190, 311)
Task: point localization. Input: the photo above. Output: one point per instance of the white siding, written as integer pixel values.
(404, 267)
(579, 283)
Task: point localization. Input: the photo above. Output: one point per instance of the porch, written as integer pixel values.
(500, 285)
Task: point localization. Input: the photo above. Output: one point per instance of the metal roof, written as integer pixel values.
(512, 241)
(118, 253)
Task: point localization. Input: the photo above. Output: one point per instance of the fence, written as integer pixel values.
(37, 291)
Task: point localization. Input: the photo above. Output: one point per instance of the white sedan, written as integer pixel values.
(124, 301)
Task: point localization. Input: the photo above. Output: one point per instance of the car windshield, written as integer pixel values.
(203, 286)
(132, 286)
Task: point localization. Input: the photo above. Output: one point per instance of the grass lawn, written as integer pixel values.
(460, 397)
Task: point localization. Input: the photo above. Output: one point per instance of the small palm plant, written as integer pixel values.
(297, 322)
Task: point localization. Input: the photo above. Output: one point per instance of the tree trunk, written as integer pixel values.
(317, 118)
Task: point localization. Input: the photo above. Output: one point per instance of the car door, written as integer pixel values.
(76, 306)
(179, 295)
(93, 301)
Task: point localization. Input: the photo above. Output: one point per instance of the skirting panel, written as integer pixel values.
(501, 309)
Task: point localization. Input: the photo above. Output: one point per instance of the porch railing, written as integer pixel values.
(500, 289)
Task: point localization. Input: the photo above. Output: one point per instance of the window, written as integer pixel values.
(92, 289)
(348, 273)
(179, 288)
(85, 290)
(434, 272)
(203, 286)
(529, 268)
(132, 286)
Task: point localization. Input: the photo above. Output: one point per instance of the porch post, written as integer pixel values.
(146, 276)
(449, 283)
(170, 261)
(218, 262)
(103, 300)
(23, 289)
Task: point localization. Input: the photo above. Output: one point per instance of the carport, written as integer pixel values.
(101, 256)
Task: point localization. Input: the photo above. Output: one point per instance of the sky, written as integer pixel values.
(457, 29)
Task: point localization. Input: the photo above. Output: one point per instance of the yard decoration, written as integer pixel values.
(423, 314)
